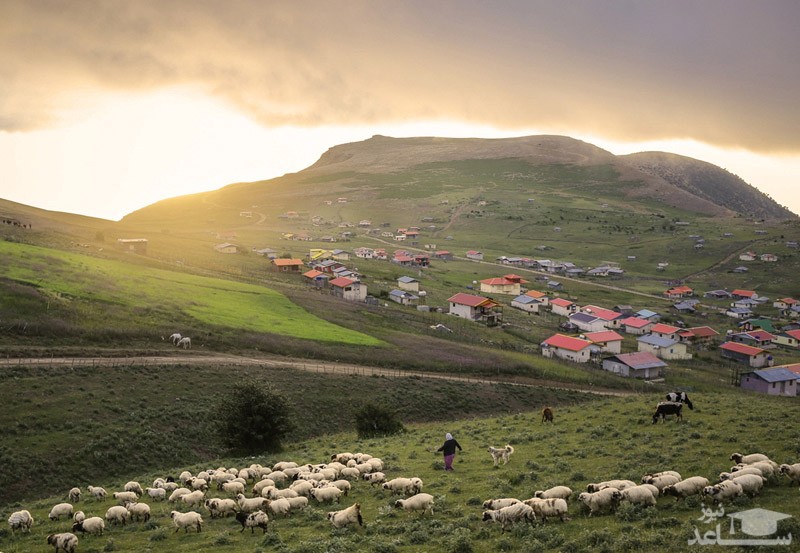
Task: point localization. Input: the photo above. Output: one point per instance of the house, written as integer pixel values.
(755, 338)
(740, 269)
(749, 355)
(569, 348)
(665, 331)
(408, 283)
(768, 257)
(685, 307)
(777, 382)
(340, 255)
(364, 253)
(526, 303)
(784, 303)
(608, 340)
(421, 260)
(541, 297)
(269, 253)
(717, 294)
(742, 294)
(403, 298)
(347, 289)
(788, 338)
(698, 335)
(757, 324)
(317, 254)
(587, 322)
(625, 310)
(554, 284)
(226, 247)
(133, 245)
(641, 364)
(745, 303)
(475, 308)
(648, 314)
(443, 255)
(403, 259)
(663, 348)
(610, 317)
(287, 265)
(747, 256)
(328, 266)
(561, 306)
(316, 278)
(475, 255)
(635, 325)
(508, 284)
(740, 313)
(678, 292)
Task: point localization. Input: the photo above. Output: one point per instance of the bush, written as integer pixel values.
(253, 418)
(373, 420)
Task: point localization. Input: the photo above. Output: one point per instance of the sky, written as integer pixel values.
(108, 106)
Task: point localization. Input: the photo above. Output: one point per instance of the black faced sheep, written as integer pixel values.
(92, 525)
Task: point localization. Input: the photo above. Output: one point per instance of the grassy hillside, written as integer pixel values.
(590, 442)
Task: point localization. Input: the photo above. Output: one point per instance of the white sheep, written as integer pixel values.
(125, 497)
(638, 495)
(342, 457)
(728, 489)
(65, 542)
(647, 476)
(278, 476)
(158, 494)
(326, 495)
(375, 478)
(74, 495)
(617, 484)
(280, 506)
(792, 472)
(139, 511)
(693, 485)
(508, 516)
(193, 499)
(97, 492)
(499, 503)
(767, 468)
(751, 483)
(20, 520)
(605, 499)
(198, 484)
(351, 515)
(377, 464)
(188, 520)
(233, 488)
(302, 487)
(738, 458)
(663, 481)
(78, 516)
(117, 514)
(178, 493)
(343, 485)
(351, 472)
(297, 503)
(92, 525)
(280, 465)
(744, 470)
(276, 493)
(185, 476)
(134, 487)
(169, 487)
(261, 484)
(251, 505)
(562, 492)
(62, 509)
(548, 507)
(419, 502)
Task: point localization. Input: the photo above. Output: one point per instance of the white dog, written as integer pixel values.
(501, 453)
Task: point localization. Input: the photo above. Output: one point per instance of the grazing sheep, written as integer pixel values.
(97, 492)
(178, 493)
(139, 511)
(508, 516)
(134, 487)
(65, 542)
(169, 487)
(738, 458)
(218, 507)
(186, 520)
(251, 505)
(297, 503)
(498, 453)
(399, 485)
(159, 494)
(420, 502)
(728, 489)
(548, 507)
(343, 485)
(275, 493)
(278, 476)
(618, 484)
(259, 519)
(184, 342)
(693, 485)
(117, 515)
(663, 481)
(233, 488)
(260, 485)
(547, 414)
(376, 463)
(790, 471)
(62, 509)
(79, 516)
(495, 504)
(74, 495)
(650, 475)
(125, 497)
(194, 499)
(351, 515)
(281, 465)
(20, 520)
(375, 478)
(327, 495)
(751, 483)
(351, 472)
(638, 495)
(342, 457)
(302, 487)
(766, 467)
(562, 492)
(280, 506)
(93, 525)
(184, 477)
(605, 499)
(745, 470)
(198, 484)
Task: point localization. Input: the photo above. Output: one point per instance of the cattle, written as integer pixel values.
(667, 408)
(680, 397)
(547, 415)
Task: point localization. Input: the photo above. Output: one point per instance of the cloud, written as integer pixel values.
(718, 71)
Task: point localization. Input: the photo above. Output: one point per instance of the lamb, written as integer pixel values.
(259, 519)
(65, 542)
(495, 504)
(62, 509)
(178, 493)
(605, 499)
(193, 499)
(186, 520)
(638, 495)
(280, 507)
(233, 488)
(751, 483)
(508, 516)
(97, 492)
(618, 484)
(738, 458)
(79, 516)
(693, 485)
(790, 471)
(342, 518)
(74, 495)
(663, 481)
(562, 492)
(728, 489)
(251, 505)
(134, 487)
(375, 478)
(297, 503)
(125, 497)
(419, 502)
(93, 525)
(139, 511)
(745, 470)
(548, 507)
(20, 520)
(117, 514)
(647, 476)
(159, 494)
(326, 495)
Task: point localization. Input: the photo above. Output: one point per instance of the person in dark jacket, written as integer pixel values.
(449, 450)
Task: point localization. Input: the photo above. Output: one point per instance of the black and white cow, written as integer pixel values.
(680, 397)
(667, 408)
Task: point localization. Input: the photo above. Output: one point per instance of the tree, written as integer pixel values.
(254, 417)
(373, 420)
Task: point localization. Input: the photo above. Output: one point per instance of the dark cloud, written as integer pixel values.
(719, 71)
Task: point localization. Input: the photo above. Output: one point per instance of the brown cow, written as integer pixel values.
(547, 415)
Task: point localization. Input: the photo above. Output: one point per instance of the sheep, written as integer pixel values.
(125, 497)
(117, 514)
(352, 473)
(562, 492)
(97, 492)
(218, 507)
(79, 516)
(607, 498)
(326, 495)
(766, 467)
(74, 495)
(93, 525)
(398, 485)
(20, 520)
(649, 475)
(134, 487)
(251, 505)
(185, 476)
(342, 457)
(738, 458)
(198, 484)
(663, 481)
(159, 494)
(693, 485)
(139, 511)
(279, 506)
(280, 465)
(259, 519)
(178, 493)
(62, 509)
(278, 476)
(260, 485)
(548, 507)
(275, 493)
(169, 487)
(65, 542)
(375, 478)
(419, 502)
(791, 471)
(618, 484)
(186, 520)
(376, 463)
(728, 489)
(637, 495)
(343, 485)
(495, 504)
(302, 487)
(297, 503)
(193, 499)
(744, 470)
(508, 516)
(751, 483)
(342, 518)
(233, 488)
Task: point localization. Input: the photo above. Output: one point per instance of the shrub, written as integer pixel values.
(373, 420)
